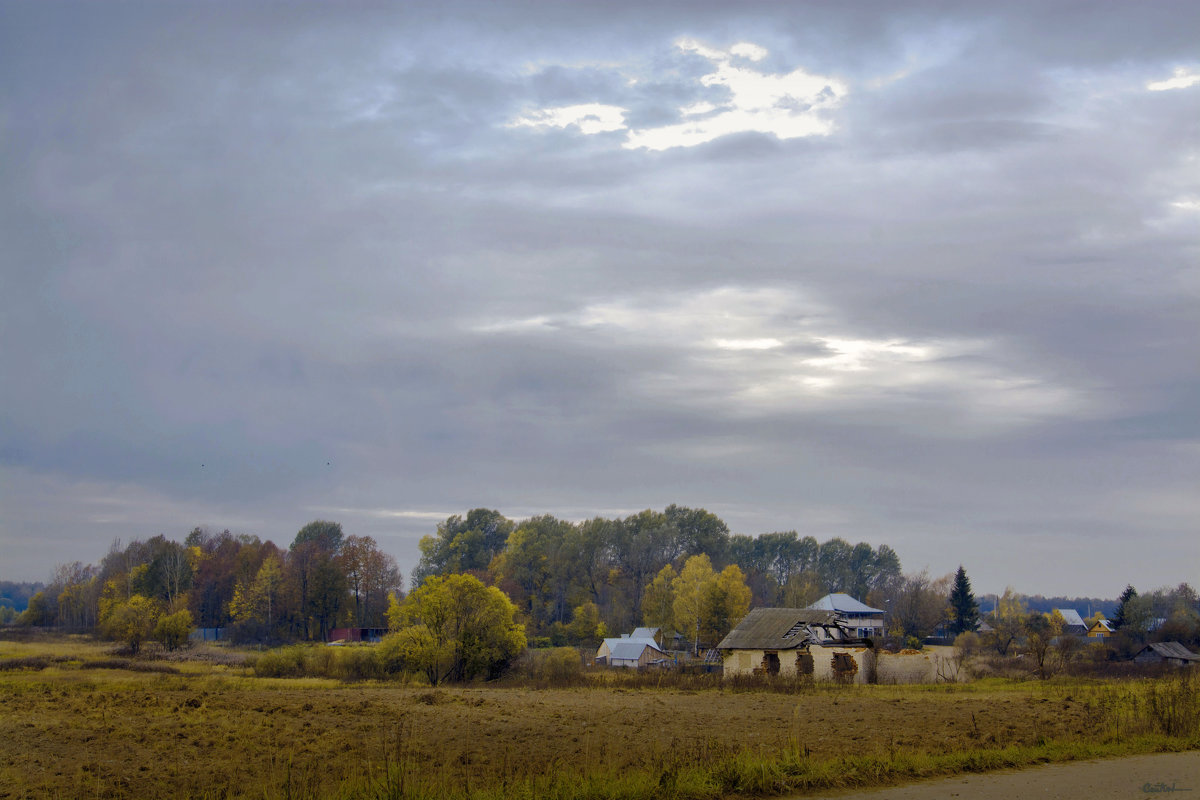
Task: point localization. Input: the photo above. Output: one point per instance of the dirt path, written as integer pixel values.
(1166, 775)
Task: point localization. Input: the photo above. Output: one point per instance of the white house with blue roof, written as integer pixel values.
(858, 619)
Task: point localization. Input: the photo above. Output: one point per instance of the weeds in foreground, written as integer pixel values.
(1149, 716)
(750, 774)
(231, 735)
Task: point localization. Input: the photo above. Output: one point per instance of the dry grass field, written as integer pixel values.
(78, 723)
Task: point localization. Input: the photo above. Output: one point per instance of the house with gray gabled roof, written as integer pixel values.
(778, 641)
(653, 634)
(631, 649)
(1166, 653)
(635, 653)
(808, 642)
(1073, 623)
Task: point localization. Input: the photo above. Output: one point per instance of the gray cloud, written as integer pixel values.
(267, 263)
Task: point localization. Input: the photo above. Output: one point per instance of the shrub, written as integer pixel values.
(559, 666)
(172, 631)
(548, 667)
(132, 621)
(390, 653)
(357, 664)
(286, 662)
(308, 661)
(968, 643)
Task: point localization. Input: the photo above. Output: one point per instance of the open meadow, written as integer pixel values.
(80, 722)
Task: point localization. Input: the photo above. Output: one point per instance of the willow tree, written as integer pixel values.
(454, 628)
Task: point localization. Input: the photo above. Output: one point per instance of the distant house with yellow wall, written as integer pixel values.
(1100, 629)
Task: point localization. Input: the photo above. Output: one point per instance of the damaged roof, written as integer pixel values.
(776, 628)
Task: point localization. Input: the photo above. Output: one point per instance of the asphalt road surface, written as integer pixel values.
(1166, 776)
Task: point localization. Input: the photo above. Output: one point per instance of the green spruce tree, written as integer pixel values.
(962, 604)
(1119, 619)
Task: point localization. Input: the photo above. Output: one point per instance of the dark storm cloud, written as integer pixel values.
(269, 263)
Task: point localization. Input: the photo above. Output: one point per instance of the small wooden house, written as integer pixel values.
(632, 653)
(1166, 653)
(653, 634)
(629, 651)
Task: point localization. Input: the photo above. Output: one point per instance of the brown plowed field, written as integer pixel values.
(109, 733)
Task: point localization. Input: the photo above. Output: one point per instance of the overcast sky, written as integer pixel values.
(922, 274)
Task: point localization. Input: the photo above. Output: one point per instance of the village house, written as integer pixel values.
(1101, 629)
(778, 641)
(816, 643)
(635, 653)
(857, 618)
(653, 634)
(639, 649)
(1166, 653)
(1073, 624)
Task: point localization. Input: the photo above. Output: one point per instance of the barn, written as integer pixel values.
(638, 650)
(1166, 653)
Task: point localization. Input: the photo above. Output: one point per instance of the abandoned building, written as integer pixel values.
(816, 643)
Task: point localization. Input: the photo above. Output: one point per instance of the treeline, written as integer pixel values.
(1084, 605)
(571, 582)
(258, 591)
(1170, 614)
(556, 571)
(14, 598)
(679, 568)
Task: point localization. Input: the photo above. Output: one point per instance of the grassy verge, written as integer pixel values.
(747, 774)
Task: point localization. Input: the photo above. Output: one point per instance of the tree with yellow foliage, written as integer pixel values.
(708, 604)
(454, 628)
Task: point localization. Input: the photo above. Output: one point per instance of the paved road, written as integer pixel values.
(1171, 775)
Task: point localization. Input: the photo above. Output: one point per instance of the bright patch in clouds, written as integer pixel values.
(590, 118)
(381, 513)
(747, 344)
(855, 355)
(1182, 79)
(761, 351)
(743, 100)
